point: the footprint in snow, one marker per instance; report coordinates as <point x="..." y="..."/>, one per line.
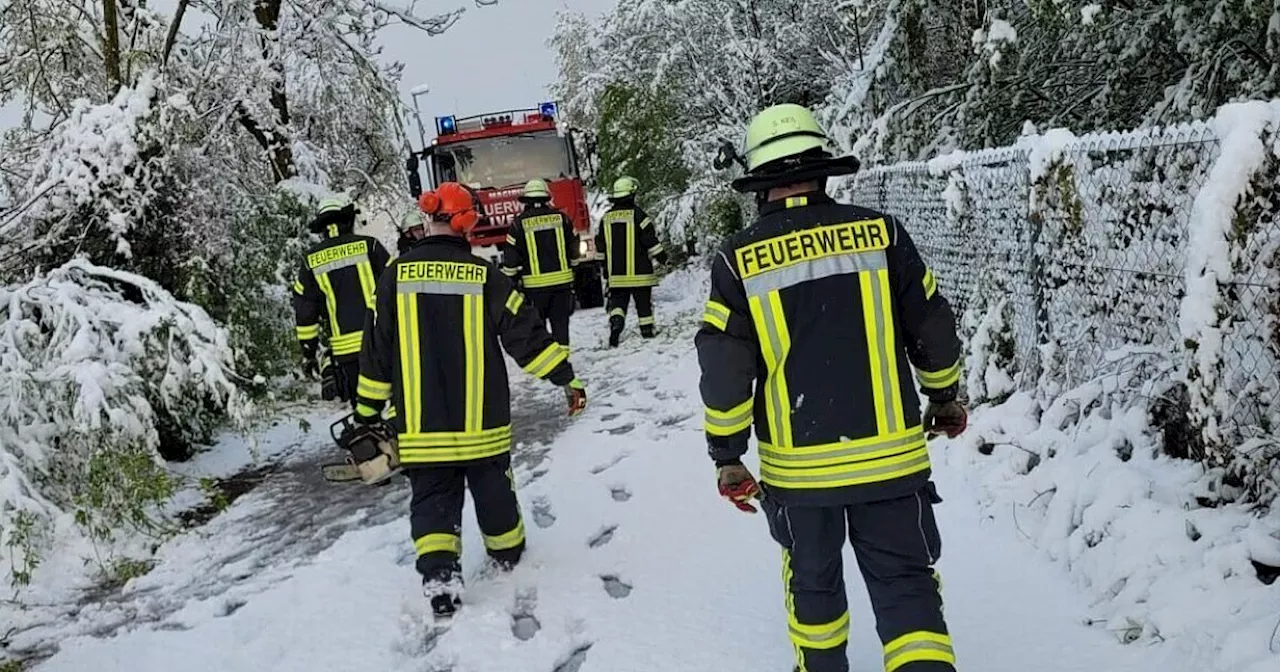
<point x="573" y="662"/>
<point x="524" y="624"/>
<point x="229" y="607"/>
<point x="604" y="536"/>
<point x="619" y="492"/>
<point x="542" y="516"/>
<point x="608" y="416"/>
<point x="621" y="429"/>
<point x="600" y="468"/>
<point x="615" y="587"/>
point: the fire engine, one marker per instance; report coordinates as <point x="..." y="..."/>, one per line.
<point x="495" y="154"/>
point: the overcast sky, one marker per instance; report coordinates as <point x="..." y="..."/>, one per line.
<point x="493" y="58"/>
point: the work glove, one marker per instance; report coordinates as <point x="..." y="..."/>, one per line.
<point x="738" y="486"/>
<point x="576" y="396"/>
<point x="947" y="417"/>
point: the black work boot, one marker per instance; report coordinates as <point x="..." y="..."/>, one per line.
<point x="614" y="335"/>
<point x="648" y="331"/>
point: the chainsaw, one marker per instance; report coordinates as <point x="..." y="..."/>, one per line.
<point x="372" y="454"/>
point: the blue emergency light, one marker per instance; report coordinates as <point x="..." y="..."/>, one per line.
<point x="548" y="110"/>
<point x="446" y="125"/>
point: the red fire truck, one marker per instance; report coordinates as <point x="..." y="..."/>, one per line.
<point x="496" y="154"/>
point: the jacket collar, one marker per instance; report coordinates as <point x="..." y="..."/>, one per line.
<point x="445" y="239"/>
<point x="797" y="201"/>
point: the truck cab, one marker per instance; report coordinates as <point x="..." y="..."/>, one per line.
<point x="496" y="154"/>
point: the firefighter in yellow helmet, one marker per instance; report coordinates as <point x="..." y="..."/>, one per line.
<point x="539" y="254"/>
<point x="818" y="313"/>
<point x="334" y="287"/>
<point x="629" y="246"/>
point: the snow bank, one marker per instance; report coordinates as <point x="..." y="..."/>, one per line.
<point x="95" y="364"/>
<point x="1083" y="479"/>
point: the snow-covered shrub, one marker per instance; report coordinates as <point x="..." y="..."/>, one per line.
<point x="990" y="363"/>
<point x="92" y="362"/>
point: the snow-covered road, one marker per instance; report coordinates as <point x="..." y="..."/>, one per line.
<point x="634" y="562"/>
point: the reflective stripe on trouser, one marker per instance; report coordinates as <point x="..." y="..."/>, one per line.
<point x="620" y="299"/>
<point x="435" y="513"/>
<point x="896" y="543"/>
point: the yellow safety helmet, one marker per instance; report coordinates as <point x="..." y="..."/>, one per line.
<point x="536" y="190"/>
<point x="781" y="132"/>
<point x="623" y="187"/>
<point x="331" y="205"/>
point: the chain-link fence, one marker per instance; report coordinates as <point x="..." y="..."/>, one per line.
<point x="1069" y="263"/>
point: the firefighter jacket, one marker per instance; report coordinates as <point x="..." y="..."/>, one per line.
<point x="432" y="350"/>
<point x="825" y="308"/>
<point x="336" y="281"/>
<point x="540" y="249"/>
<point x="629" y="245"/>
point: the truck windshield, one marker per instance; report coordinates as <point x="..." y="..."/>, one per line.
<point x="504" y="161"/>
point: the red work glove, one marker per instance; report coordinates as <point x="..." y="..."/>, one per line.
<point x="576" y="396"/>
<point x="948" y="417"/>
<point x="738" y="486"/>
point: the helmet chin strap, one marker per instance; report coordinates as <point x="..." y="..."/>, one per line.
<point x="809" y="170"/>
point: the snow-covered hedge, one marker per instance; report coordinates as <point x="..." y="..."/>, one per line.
<point x="92" y="362"/>
<point x="1062" y="251"/>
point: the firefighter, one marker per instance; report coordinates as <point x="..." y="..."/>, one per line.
<point x="335" y="287"/>
<point x="630" y="246"/>
<point x="825" y="308"/>
<point x="432" y="350"/>
<point x="411" y="229"/>
<point x="539" y="253"/>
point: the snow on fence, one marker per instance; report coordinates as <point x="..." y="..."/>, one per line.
<point x="1154" y="251"/>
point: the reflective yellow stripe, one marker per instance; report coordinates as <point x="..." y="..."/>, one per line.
<point x="874" y="322"/>
<point x="631" y="246"/>
<point x="410" y="369"/>
<point x="549" y="279"/>
<point x="333" y="230"/>
<point x="531" y="249"/>
<point x="297" y="287"/>
<point x="840" y="475"/>
<point x="889" y="339"/>
<point x="444" y="439"/>
<point x="915" y="647"/>
<point x="939" y="379"/>
<point x="623" y="281"/>
<point x="510" y="271"/>
<point x="730" y="422"/>
<point x="797" y="201"/>
<point x="308" y="332"/>
<point x="514" y="301"/>
<point x="365" y="411"/>
<point x="389" y="412"/>
<point x="438" y="543"/>
<point x="547" y="360"/>
<point x="511" y="240"/>
<point x="473" y="337"/>
<point x="822" y="636"/>
<point x="367" y="283"/>
<point x="857" y="451"/>
<point x="560" y="251"/>
<point x="653" y="251"/>
<point x="372" y="389"/>
<point x="440" y="454"/>
<point x="716" y="314"/>
<point x="930" y="284"/>
<point x="618" y="311"/>
<point x="611" y="252"/>
<point x="506" y="540"/>
<point x="789" y="599"/>
<point x="331" y="302"/>
<point x="347" y="344"/>
<point x="770" y="322"/>
<point x="644" y="321"/>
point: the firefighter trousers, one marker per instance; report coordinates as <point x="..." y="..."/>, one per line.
<point x="555" y="305"/>
<point x="896" y="543"/>
<point x="435" y="514"/>
<point x="620" y="298"/>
